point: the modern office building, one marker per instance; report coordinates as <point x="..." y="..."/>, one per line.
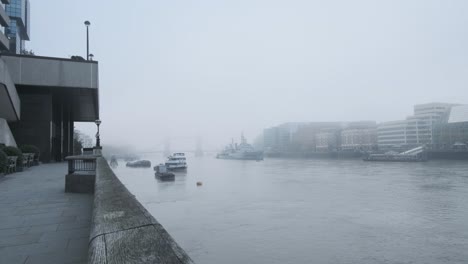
<point x="18" y="30"/>
<point x="453" y="134"/>
<point x="4" y="23"/>
<point x="53" y="93"/>
<point x="9" y="99"/>
<point x="41" y="97"/>
<point x="416" y="130"/>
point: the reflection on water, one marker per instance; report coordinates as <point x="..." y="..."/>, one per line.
<point x="311" y="211"/>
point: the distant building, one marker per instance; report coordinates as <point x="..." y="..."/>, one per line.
<point x="270" y="138"/>
<point x="328" y="140"/>
<point x="416" y="130"/>
<point x="454" y="133"/>
<point x="18" y="30"/>
<point x="295" y="137"/>
<point x="359" y="136"/>
<point x="305" y="138"/>
<point x="279" y="138"/>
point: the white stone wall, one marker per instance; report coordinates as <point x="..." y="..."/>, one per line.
<point x="6" y="137"/>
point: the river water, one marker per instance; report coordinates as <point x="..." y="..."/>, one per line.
<point x="311" y="211"/>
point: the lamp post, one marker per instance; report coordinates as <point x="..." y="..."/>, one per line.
<point x="87" y="24"/>
<point x="98" y="140"/>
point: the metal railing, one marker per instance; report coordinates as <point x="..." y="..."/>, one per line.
<point x="82" y="163"/>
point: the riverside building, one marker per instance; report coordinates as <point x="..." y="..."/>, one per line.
<point x="415" y="130"/>
<point x="42" y="97"/>
<point x="360" y="136"/>
<point x="453" y="134"/>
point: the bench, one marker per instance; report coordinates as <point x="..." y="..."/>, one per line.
<point x="30" y="159"/>
<point x="11" y="165"/>
<point x="26" y="160"/>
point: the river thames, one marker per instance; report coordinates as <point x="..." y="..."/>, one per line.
<point x="310" y="211"/>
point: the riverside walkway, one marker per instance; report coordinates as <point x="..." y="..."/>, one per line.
<point x="39" y="222"/>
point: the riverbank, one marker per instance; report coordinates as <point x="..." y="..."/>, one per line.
<point x="433" y="155"/>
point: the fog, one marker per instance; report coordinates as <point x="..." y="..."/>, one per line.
<point x="213" y="69"/>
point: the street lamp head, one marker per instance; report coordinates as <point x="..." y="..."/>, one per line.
<point x="97" y="122"/>
<point x="87" y="23"/>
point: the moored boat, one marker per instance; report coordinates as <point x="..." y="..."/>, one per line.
<point x="413" y="155"/>
<point x="139" y="164"/>
<point x="176" y="161"/>
<point x="162" y="173"/>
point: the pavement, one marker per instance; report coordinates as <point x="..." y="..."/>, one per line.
<point x="39" y="222"/>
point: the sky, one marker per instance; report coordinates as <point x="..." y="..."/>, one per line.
<point x="214" y="69"/>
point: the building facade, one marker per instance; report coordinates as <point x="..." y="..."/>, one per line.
<point x="362" y="138"/>
<point x="19" y="29"/>
<point x="453" y="135"/>
<point x="416" y="130"/>
<point x="41" y="97"/>
<point x="327" y="140"/>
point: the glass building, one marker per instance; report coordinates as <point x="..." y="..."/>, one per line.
<point x="18" y="30"/>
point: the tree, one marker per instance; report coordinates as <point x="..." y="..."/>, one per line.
<point x="81" y="141"/>
<point x="27" y="52"/>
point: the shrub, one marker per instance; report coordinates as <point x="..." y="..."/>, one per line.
<point x="3" y="161"/>
<point x="31" y="149"/>
<point x="12" y="151"/>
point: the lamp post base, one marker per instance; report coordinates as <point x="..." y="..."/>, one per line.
<point x="97" y="151"/>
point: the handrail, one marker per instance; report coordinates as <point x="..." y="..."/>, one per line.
<point x="83" y="163"/>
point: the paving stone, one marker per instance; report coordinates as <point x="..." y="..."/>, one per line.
<point x="66" y="234"/>
<point x="42" y="229"/>
<point x="74" y="225"/>
<point x="19" y="240"/>
<point x="13" y="231"/>
<point x="39" y="222"/>
<point x="36" y="248"/>
<point x="78" y="243"/>
<point x="50" y="220"/>
<point x="18" y="259"/>
<point x="64" y="257"/>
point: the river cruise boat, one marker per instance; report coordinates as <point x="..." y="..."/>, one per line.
<point x="242" y="151"/>
<point x="176" y="161"/>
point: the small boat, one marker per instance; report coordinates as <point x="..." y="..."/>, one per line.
<point x="163" y="174"/>
<point x="139" y="164"/>
<point x="176" y="161"/>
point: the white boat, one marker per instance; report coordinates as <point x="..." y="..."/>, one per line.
<point x="176" y="161"/>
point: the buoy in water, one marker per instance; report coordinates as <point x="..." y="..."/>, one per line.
<point x="199" y="183"/>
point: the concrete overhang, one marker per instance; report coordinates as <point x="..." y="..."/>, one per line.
<point x="77" y="80"/>
<point x="6" y="1"/>
<point x="10" y="105"/>
<point x="4" y="42"/>
<point x="4" y="18"/>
